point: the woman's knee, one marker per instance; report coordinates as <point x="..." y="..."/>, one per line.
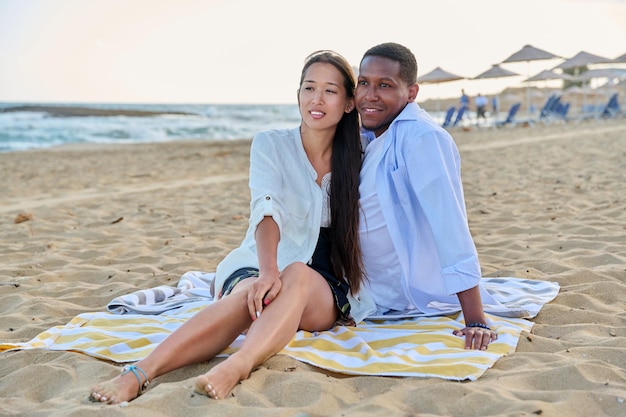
<point x="295" y="271"/>
<point x="296" y="276"/>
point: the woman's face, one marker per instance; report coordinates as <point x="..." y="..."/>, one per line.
<point x="322" y="97"/>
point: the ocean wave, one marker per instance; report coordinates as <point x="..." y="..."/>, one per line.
<point x="26" y="126"/>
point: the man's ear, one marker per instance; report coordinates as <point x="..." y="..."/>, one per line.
<point x="413" y="90"/>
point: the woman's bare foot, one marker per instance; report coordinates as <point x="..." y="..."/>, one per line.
<point x="126" y="387"/>
<point x="222" y="378"/>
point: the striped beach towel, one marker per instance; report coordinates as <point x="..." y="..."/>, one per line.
<point x="400" y="346"/>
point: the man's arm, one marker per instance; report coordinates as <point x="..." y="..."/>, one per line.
<point x="472" y="307"/>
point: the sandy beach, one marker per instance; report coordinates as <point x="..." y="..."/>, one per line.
<point x="80" y="225"/>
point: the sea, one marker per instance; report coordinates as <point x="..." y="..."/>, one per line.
<point x="35" y="128"/>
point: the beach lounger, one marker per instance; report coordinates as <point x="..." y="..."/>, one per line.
<point x="448" y="118"/>
<point x="552" y="109"/>
<point x="611" y="109"/>
<point x="459" y="116"/>
<point x="510" y="116"/>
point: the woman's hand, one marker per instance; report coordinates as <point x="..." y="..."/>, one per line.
<point x="263" y="290"/>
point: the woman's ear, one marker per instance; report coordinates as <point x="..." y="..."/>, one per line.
<point x="350" y="106"/>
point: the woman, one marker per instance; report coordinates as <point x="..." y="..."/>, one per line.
<point x="293" y="270"/>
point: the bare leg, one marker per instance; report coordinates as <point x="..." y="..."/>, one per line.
<point x="305" y="301"/>
<point x="202" y="337"/>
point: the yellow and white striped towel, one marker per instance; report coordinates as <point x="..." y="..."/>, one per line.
<point x="413" y="346"/>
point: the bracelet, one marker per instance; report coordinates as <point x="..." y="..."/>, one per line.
<point x="482" y="326"/>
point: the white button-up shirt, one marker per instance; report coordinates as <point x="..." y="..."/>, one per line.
<point x="282" y="185"/>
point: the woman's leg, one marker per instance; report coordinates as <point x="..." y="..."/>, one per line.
<point x="199" y="339"/>
<point x="305" y="302"/>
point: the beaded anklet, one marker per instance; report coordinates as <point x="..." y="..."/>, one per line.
<point x="142" y="386"/>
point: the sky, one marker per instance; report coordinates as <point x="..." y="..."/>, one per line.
<point x="252" y="51"/>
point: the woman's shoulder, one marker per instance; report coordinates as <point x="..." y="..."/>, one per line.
<point x="274" y="137"/>
<point x="276" y="134"/>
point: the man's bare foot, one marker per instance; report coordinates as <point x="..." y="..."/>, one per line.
<point x="126" y="387"/>
<point x="222" y="378"/>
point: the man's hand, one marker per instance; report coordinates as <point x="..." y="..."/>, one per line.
<point x="476" y="337"/>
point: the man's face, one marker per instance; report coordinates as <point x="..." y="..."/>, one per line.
<point x="380" y="93"/>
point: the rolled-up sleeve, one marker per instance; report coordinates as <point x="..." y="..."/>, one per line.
<point x="266" y="183"/>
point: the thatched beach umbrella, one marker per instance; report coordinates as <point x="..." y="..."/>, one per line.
<point x="609" y="73"/>
<point x="579" y="61"/>
<point x="437" y="76"/>
<point x="529" y="53"/>
<point x="620" y="59"/>
<point x="582" y="59"/>
<point x="549" y="75"/>
<point x="496" y="71"/>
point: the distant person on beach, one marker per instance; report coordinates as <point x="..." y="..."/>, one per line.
<point x="495" y="106"/>
<point x="300" y="262"/>
<point x="416" y="243"/>
<point x="481" y="107"/>
<point x="464" y="102"/>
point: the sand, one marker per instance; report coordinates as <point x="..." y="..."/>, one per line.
<point x="544" y="202"/>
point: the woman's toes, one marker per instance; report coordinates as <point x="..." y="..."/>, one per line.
<point x="211" y="391"/>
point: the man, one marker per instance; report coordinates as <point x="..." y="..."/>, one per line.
<point x="464" y="99"/>
<point x="481" y="107"/>
<point x="416" y="243"/>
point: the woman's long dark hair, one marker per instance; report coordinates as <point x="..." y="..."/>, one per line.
<point x="344" y="184"/>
